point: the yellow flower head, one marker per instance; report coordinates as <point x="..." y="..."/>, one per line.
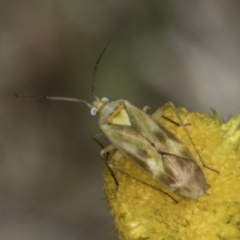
<point x="142" y="211"/>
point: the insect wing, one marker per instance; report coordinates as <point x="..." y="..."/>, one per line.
<point x="163" y="139"/>
<point x="153" y="148"/>
<point x="137" y="148"/>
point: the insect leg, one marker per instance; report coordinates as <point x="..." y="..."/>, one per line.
<point x="146" y="108"/>
<point x="103" y="151"/>
<point x="160" y="114"/>
<point x="190" y="138"/>
<point x="117" y="156"/>
<point x="139" y="180"/>
<point x="95" y="138"/>
<point x="107" y="149"/>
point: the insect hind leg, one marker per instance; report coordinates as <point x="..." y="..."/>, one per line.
<point x="139" y="180"/>
<point x="115" y="157"/>
<point x="189" y="137"/>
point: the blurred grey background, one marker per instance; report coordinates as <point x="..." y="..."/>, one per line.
<point x="187" y="52"/>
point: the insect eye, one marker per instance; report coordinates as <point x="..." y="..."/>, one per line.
<point x="105" y="99"/>
<point x="93" y="111"/>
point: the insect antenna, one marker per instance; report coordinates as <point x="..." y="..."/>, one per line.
<point x="55" y="98"/>
<point x="95" y="71"/>
<point x="74" y="99"/>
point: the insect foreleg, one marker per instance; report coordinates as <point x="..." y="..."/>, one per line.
<point x="107" y="149"/>
<point x="95" y="138"/>
<point x="103" y="151"/>
<point x="146" y="108"/>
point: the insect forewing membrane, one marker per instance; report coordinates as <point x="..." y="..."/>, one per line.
<point x="152" y="148"/>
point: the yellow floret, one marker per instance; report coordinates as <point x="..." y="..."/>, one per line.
<point x="143" y="213"/>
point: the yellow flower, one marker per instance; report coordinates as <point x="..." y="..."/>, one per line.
<point x="142" y="212"/>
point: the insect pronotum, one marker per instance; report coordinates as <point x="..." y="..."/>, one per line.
<point x="148" y="144"/>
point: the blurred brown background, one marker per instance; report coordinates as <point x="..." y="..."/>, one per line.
<point x="50" y="169"/>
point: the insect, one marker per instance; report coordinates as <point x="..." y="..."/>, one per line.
<point x="148" y="144"/>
